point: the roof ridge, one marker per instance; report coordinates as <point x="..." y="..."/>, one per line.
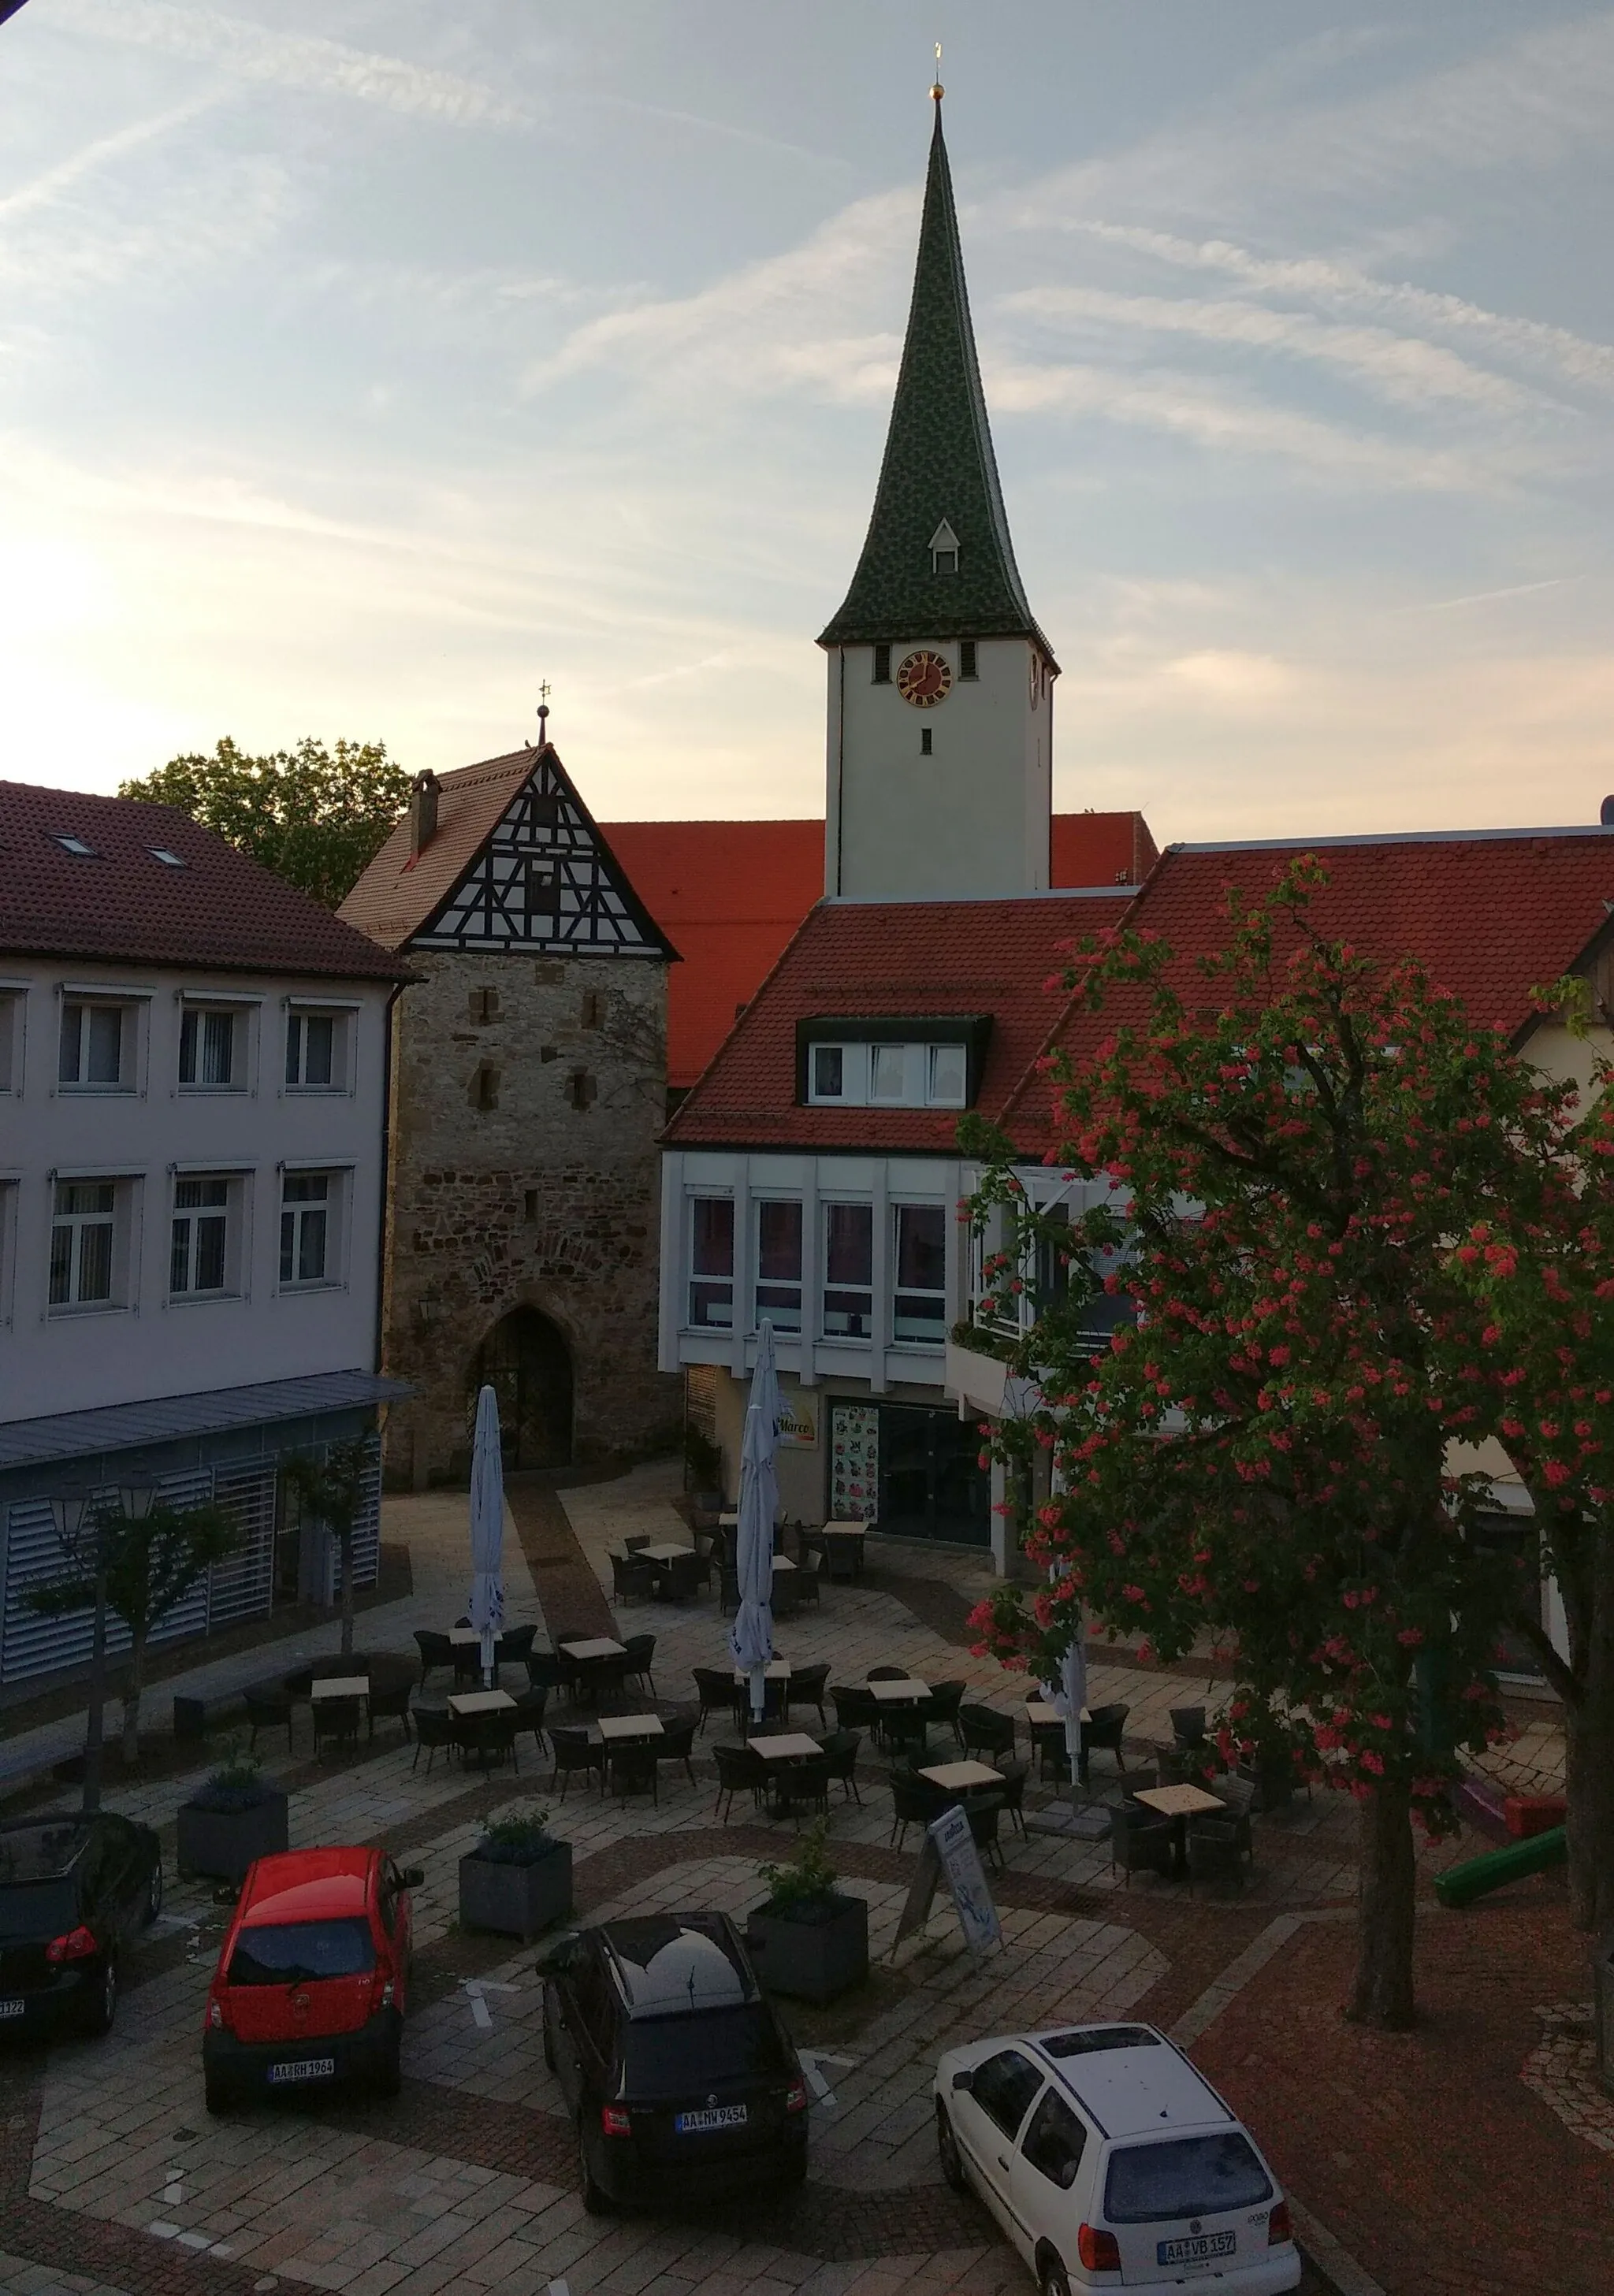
<point x="1390" y="837"/>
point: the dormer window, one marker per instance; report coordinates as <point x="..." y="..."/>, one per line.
<point x="920" y="1063"/>
<point x="944" y="550"/>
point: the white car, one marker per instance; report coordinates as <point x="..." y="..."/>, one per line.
<point x="1111" y="2163"/>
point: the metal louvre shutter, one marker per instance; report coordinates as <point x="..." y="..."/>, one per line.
<point x="366" y="1530"/>
<point x="32" y="1645"/>
<point x="240" y="1587"/>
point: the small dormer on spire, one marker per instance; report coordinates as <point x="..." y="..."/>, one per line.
<point x="944" y="550"/>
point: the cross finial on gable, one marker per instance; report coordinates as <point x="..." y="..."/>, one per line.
<point x="543" y="712"/>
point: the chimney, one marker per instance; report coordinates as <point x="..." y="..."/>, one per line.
<point x="423" y="813"/>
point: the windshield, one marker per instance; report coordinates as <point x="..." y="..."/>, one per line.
<point x="668" y="2056"/>
<point x="1186" y="2177"/>
<point x="289" y="1952"/>
<point x="37" y="1910"/>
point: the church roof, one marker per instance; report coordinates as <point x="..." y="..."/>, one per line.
<point x="938" y="471"/>
<point x="730" y="894"/>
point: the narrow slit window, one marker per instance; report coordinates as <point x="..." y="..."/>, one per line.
<point x="927" y="743"/>
<point x="882" y="665"/>
<point x="966" y="658"/>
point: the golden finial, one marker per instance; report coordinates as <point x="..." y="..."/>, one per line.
<point x="936" y="89"/>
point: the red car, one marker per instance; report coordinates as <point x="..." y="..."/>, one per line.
<point x="313" y="1980"/>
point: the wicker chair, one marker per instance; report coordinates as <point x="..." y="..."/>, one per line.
<point x="433" y="1735"/>
<point x="856" y="1710"/>
<point x="529" y="1706"/>
<point x="946" y="1702"/>
<point x="513" y="1647"/>
<point x="983" y="1730"/>
<point x="389" y="1702"/>
<point x="491" y="1737"/>
<point x="841" y="1753"/>
<point x="739" y="1771"/>
<point x="1141" y="1845"/>
<point x="1015" y="1774"/>
<point x="1237" y="1797"/>
<point x="269" y="1707"/>
<point x="641" y="1654"/>
<point x="631" y="1767"/>
<point x="1101" y="1732"/>
<point x="1188" y="1724"/>
<point x="573" y="1751"/>
<point x="806" y="1688"/>
<point x="336" y="1721"/>
<point x="914" y="1801"/>
<point x="714" y="1688"/>
<point x="982" y="1811"/>
<point x="1215" y="1852"/>
<point x="677" y="1744"/>
<point x="802" y="1785"/>
<point x="631" y="1580"/>
<point x="435" y="1650"/>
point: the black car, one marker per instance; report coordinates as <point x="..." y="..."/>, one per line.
<point x="683" y="2080"/>
<point x="73" y="1890"/>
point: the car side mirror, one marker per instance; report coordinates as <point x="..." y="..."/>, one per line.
<point x="555" y="1958"/>
<point x="412" y="1877"/>
<point x="965" y="2081"/>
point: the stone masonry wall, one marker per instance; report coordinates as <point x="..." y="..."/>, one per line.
<point x="507" y="1193"/>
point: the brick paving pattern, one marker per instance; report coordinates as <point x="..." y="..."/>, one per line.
<point x="113" y="2179"/>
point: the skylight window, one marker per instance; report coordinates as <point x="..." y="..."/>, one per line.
<point x="160" y="853"/>
<point x="76" y="845"/>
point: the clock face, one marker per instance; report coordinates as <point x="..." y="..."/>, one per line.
<point x="924" y="678"/>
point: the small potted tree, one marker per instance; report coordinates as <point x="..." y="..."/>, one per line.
<point x="234" y="1818"/>
<point x="807" y="1938"/>
<point x="518" y="1878"/>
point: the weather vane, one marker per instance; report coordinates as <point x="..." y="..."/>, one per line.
<point x="936" y="89"/>
<point x="543" y="712"/>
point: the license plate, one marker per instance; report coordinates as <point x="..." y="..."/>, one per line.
<point x="1196" y="2250"/>
<point x="302" y="2069"/>
<point x="709" y="2116"/>
<point x="13" y="2008"/>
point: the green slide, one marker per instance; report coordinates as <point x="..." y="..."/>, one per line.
<point x="1459" y="1885"/>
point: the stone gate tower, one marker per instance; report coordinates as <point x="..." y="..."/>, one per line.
<point x="529" y="1071"/>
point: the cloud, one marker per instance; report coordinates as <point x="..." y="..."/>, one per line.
<point x="47" y="189"/>
<point x="1567" y="356"/>
<point x="303" y="60"/>
<point x="1400" y="368"/>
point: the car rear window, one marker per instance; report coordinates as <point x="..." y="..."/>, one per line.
<point x="42" y="1910"/>
<point x="666" y="2056"/>
<point x="1184" y="2176"/>
<point x="282" y="1953"/>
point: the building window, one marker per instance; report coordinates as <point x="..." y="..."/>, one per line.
<point x="581" y="1090"/>
<point x="208" y="1047"/>
<point x="8" y="1246"/>
<point x="95" y="1046"/>
<point x="927" y="743"/>
<point x="593" y="1008"/>
<point x="199" y="1252"/>
<point x="848" y="1270"/>
<point x="882" y="665"/>
<point x="83" y="1240"/>
<point x="948" y="1073"/>
<point x="528" y="1203"/>
<point x="541" y="888"/>
<point x="966" y="658"/>
<point x="314" y="1052"/>
<point x="778" y="1265"/>
<point x="307" y="1240"/>
<point x="11" y="1031"/>
<point x="829" y="1079"/>
<point x="944" y="550"/>
<point x="919" y="1304"/>
<point x="484" y="1006"/>
<point x="484" y="1088"/>
<point x="888" y="1067"/>
<point x="711" y="1263"/>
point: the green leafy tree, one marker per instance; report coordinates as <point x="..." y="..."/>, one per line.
<point x="149" y="1564"/>
<point x="1299" y="1136"/>
<point x="316" y="816"/>
<point x="331" y="1489"/>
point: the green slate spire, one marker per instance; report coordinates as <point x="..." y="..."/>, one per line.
<point x="938" y="471"/>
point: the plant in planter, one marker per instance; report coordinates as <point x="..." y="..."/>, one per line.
<point x="232" y="1819"/>
<point x="518" y="1878"/>
<point x="807" y="1938"/>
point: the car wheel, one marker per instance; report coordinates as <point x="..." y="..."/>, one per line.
<point x="793" y="2175"/>
<point x="947" y="2149"/>
<point x="214" y="2093"/>
<point x="548" y="2048"/>
<point x="390" y="2079"/>
<point x="1052" y="2277"/>
<point x="153" y="1896"/>
<point x="598" y="2202"/>
<point x="103" y="2005"/>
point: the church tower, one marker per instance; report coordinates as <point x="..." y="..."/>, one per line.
<point x="941" y="684"/>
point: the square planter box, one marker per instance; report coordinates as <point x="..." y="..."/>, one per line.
<point x="815" y="1958"/>
<point x="515" y="1900"/>
<point x="222" y="1844"/>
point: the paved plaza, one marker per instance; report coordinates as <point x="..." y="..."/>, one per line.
<point x="113" y="2177"/>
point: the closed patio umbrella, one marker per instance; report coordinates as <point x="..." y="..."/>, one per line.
<point x="487" y="1605"/>
<point x="751" y="1636"/>
<point x="1068" y="1695"/>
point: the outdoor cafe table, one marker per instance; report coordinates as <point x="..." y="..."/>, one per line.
<point x="462" y="1636"/>
<point x="778" y="1670"/>
<point x="615" y="1727"/>
<point x="479" y="1702"/>
<point x="668" y="1550"/>
<point x="340" y="1685"/>
<point x="599" y="1646"/>
<point x="1040" y="1715"/>
<point x="903" y="1692"/>
<point x="787" y="1746"/>
<point x="960" y="1777"/>
<point x="1179" y="1803"/>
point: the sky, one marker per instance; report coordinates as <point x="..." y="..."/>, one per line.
<point x="365" y="363"/>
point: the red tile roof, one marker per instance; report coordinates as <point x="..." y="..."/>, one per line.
<point x="728" y="894"/>
<point x="875" y="960"/>
<point x="397" y="894"/>
<point x="1491" y="914"/>
<point x="119" y="902"/>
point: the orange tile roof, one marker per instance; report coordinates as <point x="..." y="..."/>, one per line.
<point x="1492" y="915"/>
<point x="874" y="959"/>
<point x="730" y="894"/>
<point x="396" y="896"/>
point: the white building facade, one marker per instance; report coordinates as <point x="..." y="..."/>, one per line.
<point x="191" y="1171"/>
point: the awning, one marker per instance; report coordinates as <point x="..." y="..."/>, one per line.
<point x="173" y="1418"/>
